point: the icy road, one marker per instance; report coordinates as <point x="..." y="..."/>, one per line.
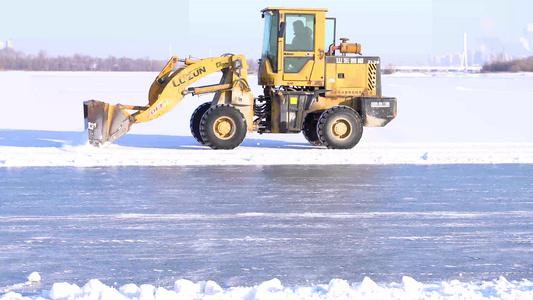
<point x="240" y="226"/>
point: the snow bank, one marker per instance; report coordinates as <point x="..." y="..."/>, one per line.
<point x="442" y="119"/>
<point x="266" y="152"/>
<point x="408" y="288"/>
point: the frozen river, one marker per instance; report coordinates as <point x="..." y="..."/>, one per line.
<point x="248" y="224"/>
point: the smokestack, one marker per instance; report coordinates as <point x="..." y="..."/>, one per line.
<point x="465" y="53"/>
<point x="525" y="43"/>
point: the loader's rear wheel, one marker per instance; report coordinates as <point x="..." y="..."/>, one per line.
<point x="309" y="129"/>
<point x="340" y="127"/>
<point x="196" y="118"/>
<point x="223" y="127"/>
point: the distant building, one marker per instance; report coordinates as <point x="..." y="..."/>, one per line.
<point x="503" y="57"/>
<point x="6" y="45"/>
<point x="457" y="58"/>
<point x="474" y="58"/>
<point x="479" y="58"/>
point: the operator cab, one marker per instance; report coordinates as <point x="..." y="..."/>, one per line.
<point x="294" y="46"/>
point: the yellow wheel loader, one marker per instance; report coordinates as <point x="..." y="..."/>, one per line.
<point x="310" y="85"/>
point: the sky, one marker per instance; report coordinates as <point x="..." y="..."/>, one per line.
<point x="401" y="32"/>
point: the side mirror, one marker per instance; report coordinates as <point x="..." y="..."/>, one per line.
<point x="281" y="31"/>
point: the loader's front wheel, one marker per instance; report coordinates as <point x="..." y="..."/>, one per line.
<point x="196" y="118"/>
<point x="223" y="127"/>
<point x="309" y="129"/>
<point x="340" y="127"/>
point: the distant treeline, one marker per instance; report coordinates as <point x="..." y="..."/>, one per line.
<point x="517" y="65"/>
<point x="16" y="60"/>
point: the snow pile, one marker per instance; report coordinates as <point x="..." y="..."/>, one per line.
<point x="409" y="288"/>
<point x="34" y="277"/>
<point x="285" y="153"/>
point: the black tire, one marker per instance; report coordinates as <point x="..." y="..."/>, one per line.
<point x="340" y="127"/>
<point x="223" y="127"/>
<point x="310" y="129"/>
<point x="196" y="118"/>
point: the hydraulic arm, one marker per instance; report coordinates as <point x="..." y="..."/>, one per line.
<point x="107" y="123"/>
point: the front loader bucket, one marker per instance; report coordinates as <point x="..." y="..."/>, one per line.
<point x="106" y="123"/>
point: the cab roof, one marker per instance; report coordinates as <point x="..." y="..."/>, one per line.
<point x="294" y="9"/>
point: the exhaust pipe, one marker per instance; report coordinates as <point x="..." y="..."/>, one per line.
<point x="106" y="123"/>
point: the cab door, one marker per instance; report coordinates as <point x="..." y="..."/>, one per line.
<point x="299" y="47"/>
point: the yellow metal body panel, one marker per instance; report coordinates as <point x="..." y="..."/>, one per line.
<point x="346" y="82"/>
<point x="268" y="76"/>
<point x="346" y="79"/>
<point x="331" y="77"/>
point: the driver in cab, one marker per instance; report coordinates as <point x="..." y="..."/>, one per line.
<point x="302" y="37"/>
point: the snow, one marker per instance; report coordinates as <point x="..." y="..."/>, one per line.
<point x="408" y="288"/>
<point x="34" y="277"/>
<point x="273" y="153"/>
<point x="444" y="119"/>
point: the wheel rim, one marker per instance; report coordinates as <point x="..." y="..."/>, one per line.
<point x="341" y="129"/>
<point x="224" y="128"/>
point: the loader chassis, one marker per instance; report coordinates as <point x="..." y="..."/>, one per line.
<point x="306" y="88"/>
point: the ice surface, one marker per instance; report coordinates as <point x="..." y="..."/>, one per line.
<point x="273" y="289"/>
<point x="303" y="225"/>
<point x="445" y="119"/>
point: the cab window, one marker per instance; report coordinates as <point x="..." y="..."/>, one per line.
<point x="300" y="32"/>
<point x="330" y="33"/>
<point x="270" y="40"/>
